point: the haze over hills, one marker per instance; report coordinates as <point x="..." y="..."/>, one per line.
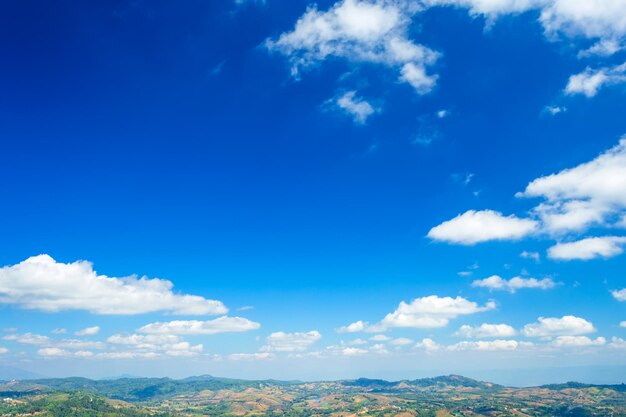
<point x="451" y="395"/>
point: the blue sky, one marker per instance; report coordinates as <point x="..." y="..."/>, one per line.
<point x="381" y="188"/>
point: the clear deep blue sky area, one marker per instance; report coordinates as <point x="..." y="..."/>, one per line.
<point x="289" y="189"/>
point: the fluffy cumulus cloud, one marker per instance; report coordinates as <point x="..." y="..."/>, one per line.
<point x="428" y="344"/>
<point x="137" y="345"/>
<point x="357" y="326"/>
<point x="496" y="282"/>
<point x="619" y="295"/>
<point x="578" y="341"/>
<point x="553" y="326"/>
<point x="486" y="330"/>
<point x="354" y="106"/>
<point x="359" y="31"/>
<point x="474" y="227"/>
<point x="376" y="31"/>
<point x="223" y="324"/>
<point x="432" y="312"/>
<point x="290" y="342"/>
<point x="41" y="283"/>
<point x="588" y="248"/>
<point x="591" y="193"/>
<point x="425" y="313"/>
<point x="572" y="201"/>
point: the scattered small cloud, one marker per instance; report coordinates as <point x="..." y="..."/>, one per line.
<point x="88" y="331"/>
<point x="535" y="256"/>
<point x="356" y="107"/>
<point x="290" y="342"/>
<point x="619" y="295"/>
<point x="496" y="282"/>
<point x="486" y="330"/>
<point x="222" y="324"/>
<point x="554" y="110"/>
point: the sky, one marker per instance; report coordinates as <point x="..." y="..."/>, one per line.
<point x="297" y="190"/>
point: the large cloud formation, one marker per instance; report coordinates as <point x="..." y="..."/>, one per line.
<point x="574" y="200"/>
<point x="377" y="31"/>
<point x="422" y="313"/>
<point x="41" y="283"/>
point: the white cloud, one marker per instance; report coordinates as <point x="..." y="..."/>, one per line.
<point x="588" y="248"/>
<point x="617" y="343"/>
<point x="41" y="283"/>
<point x="486" y="330"/>
<point x="422" y="313"/>
<point x="36" y="339"/>
<point x="58" y="331"/>
<point x="401" y="341"/>
<point x="379" y="348"/>
<point x="619" y="295"/>
<point x="431" y="312"/>
<point x="564" y="326"/>
<point x="622" y="324"/>
<point x="74" y="344"/>
<point x="379" y="338"/>
<point x="290" y="342"/>
<point x="357" y="326"/>
<point x="356" y="107"/>
<point x="575" y="199"/>
<point x="489" y="8"/>
<point x="590" y="193"/>
<point x="591" y="80"/>
<point x="28" y="339"/>
<point x="3" y="350"/>
<point x="603" y="48"/>
<point x="530" y="255"/>
<point x="417" y="77"/>
<point x="359" y="31"/>
<point x="152" y="345"/>
<point x="554" y="110"/>
<point x="222" y="324"/>
<point x="484" y="345"/>
<point x="474" y="227"/>
<point x="429" y="345"/>
<point x="52" y="352"/>
<point x="357" y="342"/>
<point x="352" y="351"/>
<point x="249" y="356"/>
<point x="127" y="355"/>
<point x="593" y="19"/>
<point x="143" y="340"/>
<point x="577" y="341"/>
<point x="88" y="331"/>
<point x="495" y="282"/>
